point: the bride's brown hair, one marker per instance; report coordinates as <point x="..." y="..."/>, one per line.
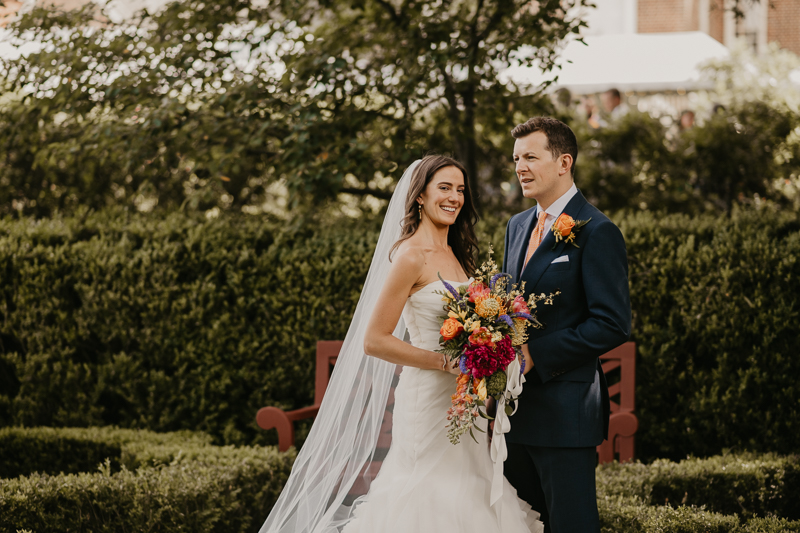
<point x="462" y="241"/>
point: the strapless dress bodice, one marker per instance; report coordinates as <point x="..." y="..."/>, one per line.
<point x="423" y="314"/>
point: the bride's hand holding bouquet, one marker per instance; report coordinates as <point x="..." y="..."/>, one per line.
<point x="482" y="333"/>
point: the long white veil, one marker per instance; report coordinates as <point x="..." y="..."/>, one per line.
<point x="349" y="437"/>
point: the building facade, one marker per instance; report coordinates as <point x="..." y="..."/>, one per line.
<point x="764" y="21"/>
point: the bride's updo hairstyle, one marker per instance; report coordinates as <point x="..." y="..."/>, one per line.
<point x="461" y="236"/>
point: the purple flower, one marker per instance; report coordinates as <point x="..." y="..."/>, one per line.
<point x="450" y="288"/>
<point x="506" y="319"/>
<point x="497" y="277"/>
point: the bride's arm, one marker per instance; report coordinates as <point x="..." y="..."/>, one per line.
<point x="379" y="342"/>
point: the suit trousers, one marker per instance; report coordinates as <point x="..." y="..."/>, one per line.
<point x="557" y="482"/>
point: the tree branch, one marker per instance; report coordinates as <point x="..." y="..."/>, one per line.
<point x="392" y="13"/>
<point x="493" y="20"/>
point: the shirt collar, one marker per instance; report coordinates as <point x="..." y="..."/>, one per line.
<point x="558" y="206"/>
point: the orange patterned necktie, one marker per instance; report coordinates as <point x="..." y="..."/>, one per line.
<point x="536" y="237"/>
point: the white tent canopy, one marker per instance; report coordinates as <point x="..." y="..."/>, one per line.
<point x="642" y="62"/>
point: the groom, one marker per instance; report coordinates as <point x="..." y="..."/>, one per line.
<point x="564" y="408"/>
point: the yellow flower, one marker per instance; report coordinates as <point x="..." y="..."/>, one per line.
<point x="460" y="315"/>
<point x="471" y="325"/>
<point x="519" y="335"/>
<point x="481" y="389"/>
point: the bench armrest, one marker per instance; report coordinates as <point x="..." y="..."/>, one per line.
<point x="275" y="418"/>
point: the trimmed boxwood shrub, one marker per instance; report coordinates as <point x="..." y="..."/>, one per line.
<point x="630" y="515"/>
<point x="179" y="482"/>
<point x="771" y="525"/>
<point x="715" y="317"/>
<point x="169" y="323"/>
<point x="173" y="482"/>
<point x="72" y="450"/>
<point x="745" y="485"/>
<point x="742" y="493"/>
<point x="173" y="322"/>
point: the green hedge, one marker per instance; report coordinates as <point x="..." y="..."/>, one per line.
<point x="179" y="482"/>
<point x="166" y="482"/>
<point x="629" y="515"/>
<point x="743" y="493"/>
<point x="172" y="322"/>
<point x="73" y="450"/>
<point x="169" y="323"/>
<point x="747" y="485"/>
<point x="715" y="317"/>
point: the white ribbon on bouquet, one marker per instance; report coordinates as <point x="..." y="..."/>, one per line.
<point x="502" y="425"/>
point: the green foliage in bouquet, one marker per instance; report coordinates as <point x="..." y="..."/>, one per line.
<point x="496" y="383"/>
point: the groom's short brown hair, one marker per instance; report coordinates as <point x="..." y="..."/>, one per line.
<point x="560" y="138"/>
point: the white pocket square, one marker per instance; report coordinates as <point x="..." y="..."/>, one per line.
<point x="562" y="259"/>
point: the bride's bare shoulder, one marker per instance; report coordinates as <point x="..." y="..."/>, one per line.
<point x="409" y="256"/>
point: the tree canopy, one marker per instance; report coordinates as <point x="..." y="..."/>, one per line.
<point x="212" y="105"/>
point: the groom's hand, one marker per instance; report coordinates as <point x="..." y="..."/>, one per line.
<point x="526" y="353"/>
<point x="451" y="366"/>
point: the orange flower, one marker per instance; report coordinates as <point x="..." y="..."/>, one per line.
<point x="451" y="328"/>
<point x="489" y="306"/>
<point x="564" y="224"/>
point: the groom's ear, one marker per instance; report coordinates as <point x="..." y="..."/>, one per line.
<point x="564" y="164"/>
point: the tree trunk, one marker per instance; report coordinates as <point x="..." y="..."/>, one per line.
<point x="467" y="148"/>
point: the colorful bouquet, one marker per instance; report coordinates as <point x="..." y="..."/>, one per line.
<point x="484" y="328"/>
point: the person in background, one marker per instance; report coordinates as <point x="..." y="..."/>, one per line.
<point x="612" y="103"/>
<point x="563" y="98"/>
<point x="686" y="120"/>
<point x="589" y="105"/>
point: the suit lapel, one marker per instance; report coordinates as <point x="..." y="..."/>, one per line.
<point x="546" y="252"/>
<point x="520" y="245"/>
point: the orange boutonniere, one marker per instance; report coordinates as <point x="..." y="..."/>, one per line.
<point x="565" y="228"/>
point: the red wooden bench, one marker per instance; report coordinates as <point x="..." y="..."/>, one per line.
<point x="621" y="390"/>
<point x="283" y="421"/>
<point x="622" y="426"/>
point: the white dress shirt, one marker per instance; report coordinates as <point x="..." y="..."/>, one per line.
<point x="557" y="208"/>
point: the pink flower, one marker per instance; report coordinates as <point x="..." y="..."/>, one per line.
<point x="519" y="306"/>
<point x="483" y="361"/>
<point x="475" y="289"/>
<point x="481" y="337"/>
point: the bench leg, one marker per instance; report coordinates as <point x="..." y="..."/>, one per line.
<point x="605" y="452"/>
<point x="624" y="447"/>
<point x="274" y="418"/>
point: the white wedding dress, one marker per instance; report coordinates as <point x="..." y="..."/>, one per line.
<point x="426" y="484"/>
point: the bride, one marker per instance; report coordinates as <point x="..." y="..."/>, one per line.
<point x="423" y="483"/>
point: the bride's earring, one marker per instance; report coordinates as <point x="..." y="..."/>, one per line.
<point x="420" y="211"/>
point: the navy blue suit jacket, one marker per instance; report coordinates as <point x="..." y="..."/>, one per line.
<point x="564" y="402"/>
